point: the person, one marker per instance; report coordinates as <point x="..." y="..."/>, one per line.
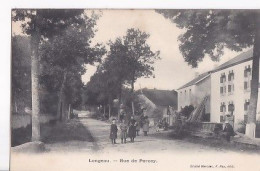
<point x="132" y="129"/>
<point x="138" y="127"/>
<point x="113" y="131"/>
<point x="123" y="128"/>
<point x="228" y="131"/>
<point x="157" y="126"/>
<point x="165" y="124"/>
<point x="146" y="126"/>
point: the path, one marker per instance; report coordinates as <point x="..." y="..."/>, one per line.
<point x="100" y="132"/>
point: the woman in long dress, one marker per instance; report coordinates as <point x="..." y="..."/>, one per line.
<point x="132" y="129"/>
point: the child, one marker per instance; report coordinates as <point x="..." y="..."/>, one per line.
<point x="123" y="128"/>
<point x="113" y="131"/>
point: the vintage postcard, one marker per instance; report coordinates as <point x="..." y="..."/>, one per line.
<point x="154" y="89"/>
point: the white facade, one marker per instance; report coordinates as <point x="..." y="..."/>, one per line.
<point x="230" y="96"/>
<point x="194" y="94"/>
<point x="186" y="96"/>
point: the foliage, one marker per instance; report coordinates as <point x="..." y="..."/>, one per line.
<point x="187" y="110"/>
<point x="208" y="32"/>
<point x="21" y="73"/>
<point x="139" y="55"/>
<point x="52" y="21"/>
<point x="68" y="53"/>
<point x="128" y="58"/>
<point x="100" y="89"/>
<point x="65" y="47"/>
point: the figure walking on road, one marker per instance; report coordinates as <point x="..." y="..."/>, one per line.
<point x="132" y="129"/>
<point x="113" y="131"/>
<point x="123" y="128"/>
<point x="146" y="125"/>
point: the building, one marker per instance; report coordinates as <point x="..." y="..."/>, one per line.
<point x="230" y="90"/>
<point x="157" y="103"/>
<point x="228" y="86"/>
<point x="193" y="92"/>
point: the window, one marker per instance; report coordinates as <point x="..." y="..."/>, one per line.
<point x="231" y="76"/>
<point x="245" y="118"/>
<point x="246" y="105"/>
<point x="222" y="119"/>
<point x="222" y="90"/>
<point x="247" y="71"/>
<point x="222" y="78"/>
<point x="222" y="107"/>
<point x="231" y="88"/>
<point x="247" y="85"/>
<point x="231" y="107"/>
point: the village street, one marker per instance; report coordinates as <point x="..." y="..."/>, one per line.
<point x="155" y="142"/>
<point x="147" y="151"/>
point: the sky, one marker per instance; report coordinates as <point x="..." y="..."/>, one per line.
<point x="171" y="72"/>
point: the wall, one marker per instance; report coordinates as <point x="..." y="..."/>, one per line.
<point x="238" y="97"/>
<point x="23" y="120"/>
<point x="188" y="99"/>
<point x="198" y="92"/>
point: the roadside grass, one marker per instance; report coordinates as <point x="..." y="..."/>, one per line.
<point x="65" y="131"/>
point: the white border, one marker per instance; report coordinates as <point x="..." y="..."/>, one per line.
<point x="138" y="4"/>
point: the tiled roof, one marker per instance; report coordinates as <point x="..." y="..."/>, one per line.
<point x="196" y="80"/>
<point x="243" y="57"/>
<point x="161" y="97"/>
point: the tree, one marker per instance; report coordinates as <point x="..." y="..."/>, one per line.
<point x="64" y="57"/>
<point x="139" y="55"/>
<point x="129" y="58"/>
<point x="208" y="32"/>
<point x="116" y="64"/>
<point x="21" y="74"/>
<point x="42" y="24"/>
<point x="187" y="110"/>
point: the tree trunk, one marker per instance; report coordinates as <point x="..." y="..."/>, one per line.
<point x="133" y="108"/>
<point x="15" y="106"/>
<point x="132" y="85"/>
<point x="119" y="100"/>
<point x="35" y="40"/>
<point x="104" y="111"/>
<point x="69" y="112"/>
<point x="251" y="124"/>
<point x="109" y="111"/>
<point x="61" y="96"/>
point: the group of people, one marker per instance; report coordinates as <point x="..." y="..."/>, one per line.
<point x="129" y="129"/>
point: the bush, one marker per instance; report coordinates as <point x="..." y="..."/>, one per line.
<point x="241" y="127"/>
<point x="186" y="111"/>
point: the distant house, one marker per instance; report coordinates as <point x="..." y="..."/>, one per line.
<point x="157" y="102"/>
<point x="193" y="92"/>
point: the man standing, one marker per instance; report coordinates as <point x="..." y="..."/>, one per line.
<point x="228" y="131"/>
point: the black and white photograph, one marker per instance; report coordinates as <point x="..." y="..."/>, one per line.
<point x="134" y="89"/>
